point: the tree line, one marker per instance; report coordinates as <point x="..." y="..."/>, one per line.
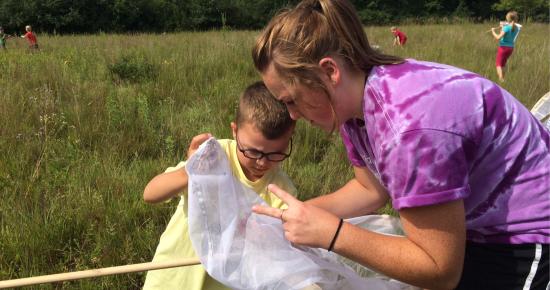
<point x="93" y="16"/>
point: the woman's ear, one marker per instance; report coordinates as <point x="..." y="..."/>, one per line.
<point x="331" y="69"/>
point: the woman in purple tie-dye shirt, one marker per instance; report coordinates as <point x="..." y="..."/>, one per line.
<point x="464" y="163"/>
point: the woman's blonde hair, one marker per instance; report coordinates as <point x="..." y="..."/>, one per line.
<point x="295" y="40"/>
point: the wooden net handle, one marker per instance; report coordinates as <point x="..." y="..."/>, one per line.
<point x="98" y="272"/>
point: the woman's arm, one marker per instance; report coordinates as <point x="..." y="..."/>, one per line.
<point x="360" y="196"/>
<point x="430" y="255"/>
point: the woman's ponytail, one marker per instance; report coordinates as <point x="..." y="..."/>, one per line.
<point x="296" y="40"/>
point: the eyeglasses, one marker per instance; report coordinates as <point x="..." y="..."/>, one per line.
<point x="257" y="154"/>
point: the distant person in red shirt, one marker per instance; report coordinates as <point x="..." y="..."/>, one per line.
<point x="399" y="37"/>
<point x="30" y="37"/>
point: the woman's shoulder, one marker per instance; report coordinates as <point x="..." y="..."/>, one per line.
<point x="404" y="92"/>
<point x="417" y="71"/>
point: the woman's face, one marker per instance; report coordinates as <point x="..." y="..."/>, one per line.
<point x="301" y="101"/>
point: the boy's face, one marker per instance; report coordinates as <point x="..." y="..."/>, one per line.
<point x="249" y="138"/>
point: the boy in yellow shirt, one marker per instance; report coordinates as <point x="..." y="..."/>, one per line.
<point x="262" y="134"/>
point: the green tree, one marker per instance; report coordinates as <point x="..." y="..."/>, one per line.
<point x="462" y="10"/>
<point x="536" y="9"/>
<point x="91" y="16"/>
<point x="433" y="7"/>
<point x="481" y="9"/>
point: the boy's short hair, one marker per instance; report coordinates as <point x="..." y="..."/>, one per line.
<point x="258" y="107"/>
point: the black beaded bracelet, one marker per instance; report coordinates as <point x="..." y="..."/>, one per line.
<point x="335" y="235"/>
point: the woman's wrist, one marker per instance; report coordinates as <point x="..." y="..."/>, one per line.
<point x="335" y="236"/>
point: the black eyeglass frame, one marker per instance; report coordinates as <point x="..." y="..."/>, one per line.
<point x="257" y="154"/>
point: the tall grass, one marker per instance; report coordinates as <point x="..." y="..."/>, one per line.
<point x="79" y="139"/>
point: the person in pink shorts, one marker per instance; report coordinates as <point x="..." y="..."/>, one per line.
<point x="506" y="40"/>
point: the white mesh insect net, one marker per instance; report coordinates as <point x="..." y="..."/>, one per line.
<point x="244" y="250"/>
<point x="541" y="110"/>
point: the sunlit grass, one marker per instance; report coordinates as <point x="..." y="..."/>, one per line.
<point x="78" y="145"/>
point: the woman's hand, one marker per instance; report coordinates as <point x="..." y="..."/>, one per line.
<point x="303" y="224"/>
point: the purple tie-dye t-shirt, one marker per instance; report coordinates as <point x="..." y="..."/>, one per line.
<point x="433" y="133"/>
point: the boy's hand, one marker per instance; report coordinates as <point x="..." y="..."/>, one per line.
<point x="196" y="142"/>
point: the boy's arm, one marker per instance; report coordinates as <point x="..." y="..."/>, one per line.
<point x="167" y="185"/>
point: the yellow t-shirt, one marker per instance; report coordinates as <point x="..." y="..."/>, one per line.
<point x="175" y="242"/>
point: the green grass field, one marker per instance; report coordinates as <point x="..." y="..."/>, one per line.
<point x="89" y="120"/>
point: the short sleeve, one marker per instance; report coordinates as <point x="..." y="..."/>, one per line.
<point x="353" y="154"/>
<point x="425" y="167"/>
<point x="507" y="28"/>
<point x="172" y="169"/>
